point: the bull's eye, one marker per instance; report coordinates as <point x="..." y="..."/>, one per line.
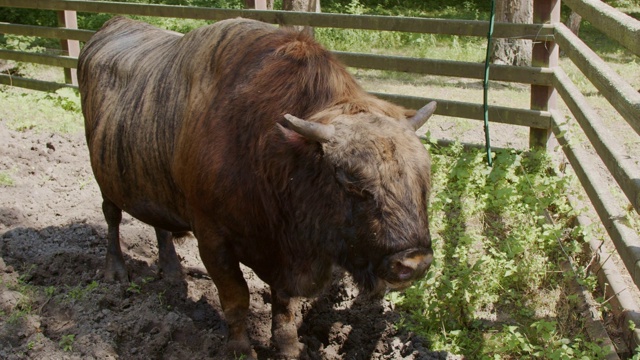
<point x="351" y="183"/>
<point x="344" y="177"/>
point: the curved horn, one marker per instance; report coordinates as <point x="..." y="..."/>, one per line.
<point x="422" y="115"/>
<point x="310" y="130"/>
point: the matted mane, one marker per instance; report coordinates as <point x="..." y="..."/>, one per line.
<point x="295" y="74"/>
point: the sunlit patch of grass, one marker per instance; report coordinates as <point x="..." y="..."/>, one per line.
<point x="55" y="112"/>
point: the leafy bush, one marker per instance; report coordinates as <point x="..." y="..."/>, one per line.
<point x="29" y="17"/>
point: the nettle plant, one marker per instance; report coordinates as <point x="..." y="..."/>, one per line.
<point x="501" y="233"/>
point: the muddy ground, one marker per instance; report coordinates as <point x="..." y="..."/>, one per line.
<point x="55" y="305"/>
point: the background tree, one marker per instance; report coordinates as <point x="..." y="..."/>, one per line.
<point x="573" y="22"/>
<point x="513" y="51"/>
<point x="251" y="4"/>
<point x="301" y="5"/>
<point x="291" y="5"/>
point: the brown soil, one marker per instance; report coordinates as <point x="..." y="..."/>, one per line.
<point x="52" y="253"/>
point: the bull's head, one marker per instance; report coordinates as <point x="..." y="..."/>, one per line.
<point x="383" y="172"/>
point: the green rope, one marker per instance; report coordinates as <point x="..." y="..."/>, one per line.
<point x="486" y="84"/>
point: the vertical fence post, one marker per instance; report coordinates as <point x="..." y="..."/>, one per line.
<point x="544" y="54"/>
<point x="69" y="20"/>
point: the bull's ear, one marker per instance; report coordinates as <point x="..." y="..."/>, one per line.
<point x="310" y="130"/>
<point x="422" y="115"/>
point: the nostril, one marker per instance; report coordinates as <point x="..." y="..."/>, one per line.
<point x="402" y="272"/>
<point x="410" y="267"/>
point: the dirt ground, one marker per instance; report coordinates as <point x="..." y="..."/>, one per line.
<point x="55" y="305"/>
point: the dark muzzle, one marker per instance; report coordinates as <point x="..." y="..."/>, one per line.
<point x="401" y="269"/>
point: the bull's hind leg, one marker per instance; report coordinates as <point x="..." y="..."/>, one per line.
<point x="167" y="257"/>
<point x="224" y="269"/>
<point x="115" y="268"/>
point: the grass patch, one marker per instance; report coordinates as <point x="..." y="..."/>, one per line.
<point x="496" y="289"/>
<point x="26" y="298"/>
<point x="6" y="179"/>
<point x="55" y="112"/>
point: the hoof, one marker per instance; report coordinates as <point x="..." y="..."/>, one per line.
<point x="171" y="274"/>
<point x="240" y="350"/>
<point x="117" y="274"/>
<point x="296" y="350"/>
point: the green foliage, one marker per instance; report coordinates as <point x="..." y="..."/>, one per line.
<point x="29" y="17"/>
<point x="21" y="43"/>
<point x="78" y="293"/>
<point x="398" y="43"/>
<point x="50" y="291"/>
<point x="95" y="21"/>
<point x="134" y="288"/>
<point x="58" y="112"/>
<point x="411" y="7"/>
<point x="26" y="299"/>
<point x="6" y="179"/>
<point x="178" y="25"/>
<point x="495" y="252"/>
<point x="137" y="288"/>
<point x="66" y="342"/>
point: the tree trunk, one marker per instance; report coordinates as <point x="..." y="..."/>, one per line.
<point x="302" y="5"/>
<point x="251" y="4"/>
<point x="573" y="22"/>
<point x="511" y="51"/>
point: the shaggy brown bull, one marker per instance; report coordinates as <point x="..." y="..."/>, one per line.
<point x="193" y="133"/>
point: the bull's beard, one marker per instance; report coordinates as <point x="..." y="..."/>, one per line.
<point x="368" y="283"/>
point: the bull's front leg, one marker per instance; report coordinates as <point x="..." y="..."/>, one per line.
<point x="115" y="269"/>
<point x="283" y="327"/>
<point x="224" y="269"/>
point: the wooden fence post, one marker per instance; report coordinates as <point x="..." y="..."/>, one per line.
<point x="68" y="19"/>
<point x="256" y="4"/>
<point x="544" y="54"/>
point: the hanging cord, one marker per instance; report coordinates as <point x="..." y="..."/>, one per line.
<point x="486" y="84"/>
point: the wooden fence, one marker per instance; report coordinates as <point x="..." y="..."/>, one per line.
<point x="547" y="79"/>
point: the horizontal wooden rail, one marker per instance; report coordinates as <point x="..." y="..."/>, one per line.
<point x="497" y="114"/>
<point x="366" y="22"/>
<point x="613" y="87"/>
<point x="43" y="59"/>
<point x="620" y="164"/>
<point x="615" y="24"/>
<point x="525" y="75"/>
<point x="608" y="208"/>
<point x="623" y="301"/>
<point x="33" y="84"/>
<point x="45" y="32"/>
<point x="519" y="74"/>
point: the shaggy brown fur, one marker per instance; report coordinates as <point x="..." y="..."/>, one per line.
<point x="188" y="133"/>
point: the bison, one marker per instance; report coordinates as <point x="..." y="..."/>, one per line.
<point x="258" y="141"/>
